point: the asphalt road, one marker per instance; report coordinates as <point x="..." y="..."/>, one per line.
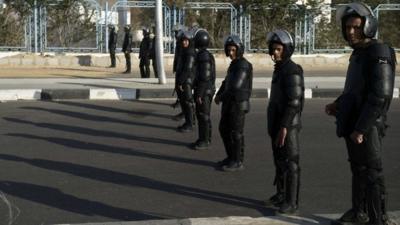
<point x="98" y="161"/>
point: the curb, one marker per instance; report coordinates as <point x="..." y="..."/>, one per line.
<point x="135" y="94"/>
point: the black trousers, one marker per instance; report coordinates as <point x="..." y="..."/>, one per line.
<point x="287" y="168"/>
<point x="128" y="61"/>
<point x="154" y="63"/>
<point x="112" y="57"/>
<point x="186" y="102"/>
<point x="368" y="186"/>
<point x="144" y="66"/>
<point x="231" y="130"/>
<point x="204" y="119"/>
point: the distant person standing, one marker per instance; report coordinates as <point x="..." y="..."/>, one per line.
<point x="127" y="47"/>
<point x="112" y="44"/>
<point x="178" y="31"/>
<point x="144" y="54"/>
<point x="153" y="56"/>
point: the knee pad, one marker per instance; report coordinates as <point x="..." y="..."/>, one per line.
<point x="203" y="116"/>
<point x="236" y="136"/>
<point x="293" y="167"/>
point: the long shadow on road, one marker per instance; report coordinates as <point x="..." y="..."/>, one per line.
<point x="98" y="133"/>
<point x="80" y="145"/>
<point x="97" y="118"/>
<point x="125" y="179"/>
<point x="57" y="199"/>
<point x="113" y="110"/>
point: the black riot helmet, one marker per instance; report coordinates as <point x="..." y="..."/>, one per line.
<point x="127" y="28"/>
<point x="111" y="27"/>
<point x="201" y="39"/>
<point x="281" y="37"/>
<point x="370" y="23"/>
<point x="234" y="40"/>
<point x="146" y="32"/>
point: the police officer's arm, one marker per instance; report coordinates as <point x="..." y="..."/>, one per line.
<point x="187" y="71"/>
<point x="294" y="84"/>
<point x="380" y="92"/>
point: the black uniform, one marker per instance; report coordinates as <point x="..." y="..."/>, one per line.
<point x="153" y="56"/>
<point x="185" y="73"/>
<point x="362" y="107"/>
<point x="112" y="45"/>
<point x="284" y="111"/>
<point x="234" y="93"/>
<point x="127" y="49"/>
<point x="204" y="88"/>
<point x="144" y="56"/>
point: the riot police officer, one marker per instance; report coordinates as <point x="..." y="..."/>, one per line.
<point x="284" y="113"/>
<point x="204" y="88"/>
<point x="361" y="110"/>
<point x="153" y="55"/>
<point x="112" y="44"/>
<point x="185" y="72"/>
<point x="234" y="94"/>
<point x="178" y="30"/>
<point x="127" y="47"/>
<point x="144" y="54"/>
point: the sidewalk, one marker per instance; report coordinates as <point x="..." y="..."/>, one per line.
<point x="100" y="83"/>
<point x="136" y="88"/>
<point x="325" y="219"/>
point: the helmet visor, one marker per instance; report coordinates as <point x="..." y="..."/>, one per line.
<point x="283" y="36"/>
<point x="353" y="8"/>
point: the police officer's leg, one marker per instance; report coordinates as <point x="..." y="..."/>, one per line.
<point x="188" y="109"/>
<point x="280" y="163"/>
<point x="141" y="66"/>
<point x="155" y="68"/>
<point x="224" y="129"/>
<point x="357" y="214"/>
<point x="147" y="67"/>
<point x="112" y="57"/>
<point x="237" y="125"/>
<point x="292" y="172"/>
<point x="128" y="62"/>
<point x="203" y="118"/>
<point x="376" y="193"/>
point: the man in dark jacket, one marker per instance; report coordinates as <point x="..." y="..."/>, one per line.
<point x="112" y="44"/>
<point x="127" y="47"/>
<point x="184" y="81"/>
<point x="234" y="94"/>
<point x="204" y="88"/>
<point x="361" y="110"/>
<point x="284" y="112"/>
<point x="153" y="56"/>
<point x="144" y="54"/>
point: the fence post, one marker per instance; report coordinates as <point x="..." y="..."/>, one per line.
<point x="159" y="43"/>
<point x="106" y="25"/>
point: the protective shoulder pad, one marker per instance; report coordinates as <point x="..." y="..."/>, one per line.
<point x="380" y="50"/>
<point x="244" y="64"/>
<point x="294" y="79"/>
<point x="204" y="56"/>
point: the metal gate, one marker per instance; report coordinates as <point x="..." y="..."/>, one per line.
<point x="80" y="31"/>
